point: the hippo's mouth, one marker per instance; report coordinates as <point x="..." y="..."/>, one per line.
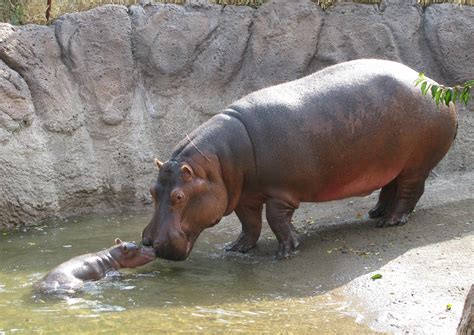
<point x="174" y="256"/>
<point x="148" y="253"/>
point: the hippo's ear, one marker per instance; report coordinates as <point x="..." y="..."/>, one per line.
<point x="118" y="241"/>
<point x="158" y="163"/>
<point x="187" y="171"/>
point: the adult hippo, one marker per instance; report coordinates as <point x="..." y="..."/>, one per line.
<point x="345" y="131"/>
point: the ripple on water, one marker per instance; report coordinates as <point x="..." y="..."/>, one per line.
<point x="213" y="291"/>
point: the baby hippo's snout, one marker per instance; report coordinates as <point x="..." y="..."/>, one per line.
<point x="130" y="255"/>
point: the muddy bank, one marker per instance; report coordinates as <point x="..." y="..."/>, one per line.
<point x="88" y="102"/>
<point x="425" y="265"/>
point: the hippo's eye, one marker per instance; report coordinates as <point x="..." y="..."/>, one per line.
<point x="177" y="196"/>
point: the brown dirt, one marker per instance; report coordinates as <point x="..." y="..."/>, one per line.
<point x="425" y="265"/>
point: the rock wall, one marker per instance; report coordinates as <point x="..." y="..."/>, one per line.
<point x="88" y="102"/>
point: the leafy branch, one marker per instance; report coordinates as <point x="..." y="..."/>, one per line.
<point x="444" y="94"/>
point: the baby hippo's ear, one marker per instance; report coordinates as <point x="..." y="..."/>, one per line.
<point x="158" y="163"/>
<point x="118" y="241"/>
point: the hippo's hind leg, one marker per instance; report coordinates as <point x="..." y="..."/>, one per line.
<point x="279" y="215"/>
<point x="250" y="216"/>
<point x="386" y="198"/>
<point x="410" y="188"/>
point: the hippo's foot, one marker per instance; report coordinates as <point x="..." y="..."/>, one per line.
<point x="392" y="221"/>
<point x="385" y="202"/>
<point x="279" y="213"/>
<point x="287" y="246"/>
<point x="244" y="243"/>
<point x="376" y="212"/>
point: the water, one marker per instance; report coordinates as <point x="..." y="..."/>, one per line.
<point x="213" y="291"/>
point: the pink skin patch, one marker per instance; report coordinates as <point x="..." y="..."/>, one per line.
<point x="358" y="187"/>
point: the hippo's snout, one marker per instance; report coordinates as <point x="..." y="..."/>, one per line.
<point x="173" y="246"/>
<point x="147" y="252"/>
<point x="172" y="256"/>
<point x="170" y="252"/>
<point x="147" y="242"/>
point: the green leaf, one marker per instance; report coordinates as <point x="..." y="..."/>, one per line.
<point x="469" y="83"/>
<point x="448" y="96"/>
<point x="423" y="87"/>
<point x="437" y="96"/>
<point x="455" y="94"/>
<point x="465" y="95"/>
<point x="442" y="95"/>
<point x="421" y="78"/>
<point x="434" y="89"/>
<point x="449" y="306"/>
<point x="466" y="98"/>
<point x="376" y="276"/>
<point x="428" y="88"/>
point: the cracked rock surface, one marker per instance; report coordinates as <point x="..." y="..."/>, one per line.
<point x="88" y="102"/>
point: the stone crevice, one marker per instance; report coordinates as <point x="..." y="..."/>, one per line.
<point x="200" y="47"/>
<point x="309" y="67"/>
<point x="245" y="54"/>
<point x="432" y="53"/>
<point x="10" y="63"/>
<point x="64" y="51"/>
<point x="16" y="68"/>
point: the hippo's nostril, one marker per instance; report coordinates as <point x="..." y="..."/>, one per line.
<point x="147" y="242"/>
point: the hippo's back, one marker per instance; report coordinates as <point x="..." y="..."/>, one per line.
<point x="70" y="275"/>
<point x="353" y="123"/>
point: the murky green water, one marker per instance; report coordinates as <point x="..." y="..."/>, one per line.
<point x="211" y="292"/>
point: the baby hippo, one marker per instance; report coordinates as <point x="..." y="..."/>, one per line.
<point x="70" y="276"/>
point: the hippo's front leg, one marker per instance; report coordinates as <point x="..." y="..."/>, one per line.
<point x="279" y="215"/>
<point x="250" y="216"/>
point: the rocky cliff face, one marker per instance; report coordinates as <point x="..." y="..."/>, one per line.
<point x="88" y="102"/>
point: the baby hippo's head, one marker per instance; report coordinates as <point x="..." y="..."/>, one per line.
<point x="130" y="255"/>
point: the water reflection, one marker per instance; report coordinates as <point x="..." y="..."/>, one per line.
<point x="212" y="291"/>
